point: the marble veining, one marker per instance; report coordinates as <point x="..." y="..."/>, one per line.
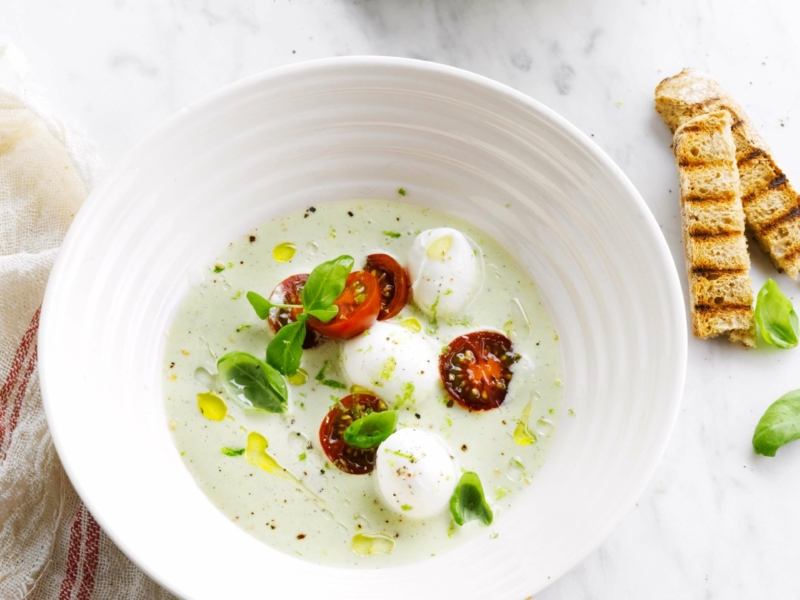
<point x="716" y="521"/>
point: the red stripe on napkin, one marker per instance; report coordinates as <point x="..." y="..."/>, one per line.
<point x="91" y="555"/>
<point x="73" y="555"/>
<point x="16" y="365"/>
<point x="16" y="403"/>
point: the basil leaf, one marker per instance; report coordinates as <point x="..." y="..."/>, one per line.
<point x="779" y="425"/>
<point x="369" y="431"/>
<point x="775" y="316"/>
<point x="326" y="282"/>
<point x="468" y="502"/>
<point x="325" y="314"/>
<point x="260" y="304"/>
<point x="252" y="382"/>
<point x="286" y="348"/>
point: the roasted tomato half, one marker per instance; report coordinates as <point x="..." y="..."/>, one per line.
<point x="477" y="369"/>
<point x="358" y="304"/>
<point x="347" y="458"/>
<point x="393" y="282"/>
<point x="289" y="291"/>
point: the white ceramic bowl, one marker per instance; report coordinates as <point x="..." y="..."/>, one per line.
<point x="361" y="128"/>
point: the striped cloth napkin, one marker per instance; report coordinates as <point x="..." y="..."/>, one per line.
<point x="50" y="545"/>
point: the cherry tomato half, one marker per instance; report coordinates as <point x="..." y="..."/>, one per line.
<point x="477" y="369"/>
<point x="289" y="291"/>
<point x="393" y="282"/>
<point x="347" y="458"/>
<point x="358" y="304"/>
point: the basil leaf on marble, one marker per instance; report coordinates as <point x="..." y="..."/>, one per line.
<point x="775" y="317"/>
<point x="779" y="425"/>
<point x="252" y="382"/>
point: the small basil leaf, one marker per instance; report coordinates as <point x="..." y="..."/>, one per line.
<point x="326" y="282"/>
<point x="260" y="304"/>
<point x="369" y="431"/>
<point x="263" y="306"/>
<point x="321" y="375"/>
<point x="325" y="314"/>
<point x="286" y="348"/>
<point x="779" y="425"/>
<point x="775" y="316"/>
<point x="468" y="502"/>
<point x="232" y="451"/>
<point x="252" y="382"/>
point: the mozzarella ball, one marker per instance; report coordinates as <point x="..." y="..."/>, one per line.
<point x="393" y="362"/>
<point x="445" y="272"/>
<point x="416" y="473"/>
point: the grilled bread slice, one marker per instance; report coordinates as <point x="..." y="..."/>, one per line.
<point x="717" y="261"/>
<point x="771" y="205"/>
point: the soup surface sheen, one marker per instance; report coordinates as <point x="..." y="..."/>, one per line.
<point x="215" y="318"/>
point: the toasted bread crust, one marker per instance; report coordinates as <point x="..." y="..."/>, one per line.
<point x="771" y="205"/>
<point x="717" y="261"/>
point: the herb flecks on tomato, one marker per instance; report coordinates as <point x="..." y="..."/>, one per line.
<point x="290" y="291"/>
<point x="476" y="370"/>
<point x="393" y="282"/>
<point x="358" y="305"/>
<point x="356" y="461"/>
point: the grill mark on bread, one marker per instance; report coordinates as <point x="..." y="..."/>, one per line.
<point x="792" y="254"/>
<point x="713" y="235"/>
<point x="738" y="124"/>
<point x="748" y="199"/>
<point x="715" y="272"/>
<point x="722" y="307"/>
<point x="685" y="164"/>
<point x="694" y="199"/>
<point x="752" y="156"/>
<point x="691" y="128"/>
<point x="793" y="214"/>
<point x="778" y="181"/>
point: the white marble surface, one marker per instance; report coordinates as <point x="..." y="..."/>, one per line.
<point x="716" y="521"/>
